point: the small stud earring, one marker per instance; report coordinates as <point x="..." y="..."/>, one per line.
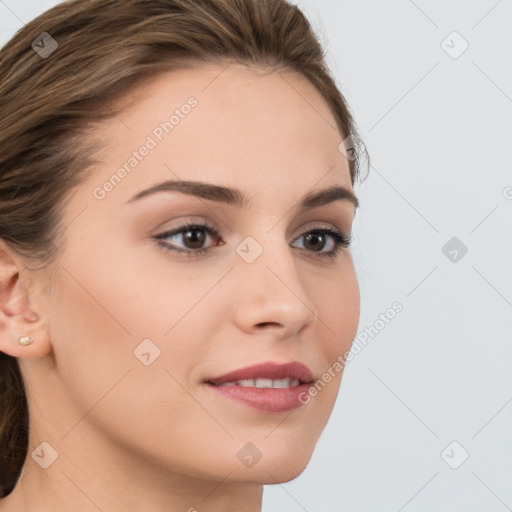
<point x="25" y="340"/>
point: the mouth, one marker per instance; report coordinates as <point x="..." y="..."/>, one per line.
<point x="264" y="383"/>
<point x="269" y="387"/>
<point x="266" y="375"/>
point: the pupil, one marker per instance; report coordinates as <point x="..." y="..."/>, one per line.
<point x="315" y="237"/>
<point x="197" y="240"/>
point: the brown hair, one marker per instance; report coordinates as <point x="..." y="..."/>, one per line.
<point x="49" y="102"/>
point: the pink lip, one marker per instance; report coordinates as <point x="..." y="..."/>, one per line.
<point x="272" y="371"/>
<point x="266" y="399"/>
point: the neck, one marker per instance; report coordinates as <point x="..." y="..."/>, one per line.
<point x="81" y="480"/>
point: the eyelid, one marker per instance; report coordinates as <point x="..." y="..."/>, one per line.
<point x="206" y="224"/>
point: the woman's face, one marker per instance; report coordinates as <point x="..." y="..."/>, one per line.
<point x="137" y="328"/>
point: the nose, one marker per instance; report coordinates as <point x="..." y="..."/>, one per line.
<point x="270" y="294"/>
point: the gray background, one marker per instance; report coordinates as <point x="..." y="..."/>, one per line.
<point x="434" y="385"/>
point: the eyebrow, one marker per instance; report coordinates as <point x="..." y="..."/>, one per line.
<point x="235" y="197"/>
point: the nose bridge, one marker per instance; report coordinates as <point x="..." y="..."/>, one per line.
<point x="271" y="288"/>
<point x="267" y="249"/>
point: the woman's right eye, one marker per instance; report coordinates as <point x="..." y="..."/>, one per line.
<point x="191" y="233"/>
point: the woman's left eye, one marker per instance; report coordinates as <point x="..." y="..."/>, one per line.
<point x="195" y="235"/>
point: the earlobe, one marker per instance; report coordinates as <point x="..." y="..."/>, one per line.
<point x="23" y="333"/>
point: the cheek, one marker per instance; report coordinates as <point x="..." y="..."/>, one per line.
<point x="336" y="298"/>
<point x="92" y="341"/>
<point x="102" y="315"/>
<point x="109" y="303"/>
<point x="337" y="301"/>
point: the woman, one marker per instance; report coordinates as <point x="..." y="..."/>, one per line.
<point x="177" y="289"/>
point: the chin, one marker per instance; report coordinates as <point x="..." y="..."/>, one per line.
<point x="275" y="470"/>
<point x="286" y="474"/>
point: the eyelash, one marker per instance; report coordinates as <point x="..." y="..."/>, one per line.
<point x="340" y="240"/>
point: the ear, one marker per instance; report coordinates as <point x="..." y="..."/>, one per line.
<point x="20" y="315"/>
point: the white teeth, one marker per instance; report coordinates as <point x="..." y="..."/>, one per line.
<point x="264" y="383"/>
<point x="246" y="382"/>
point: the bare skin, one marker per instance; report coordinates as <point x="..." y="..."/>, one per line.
<point x="135" y="437"/>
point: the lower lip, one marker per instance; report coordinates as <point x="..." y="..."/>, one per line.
<point x="266" y="399"/>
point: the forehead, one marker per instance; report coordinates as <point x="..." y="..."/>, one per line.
<point x="227" y="124"/>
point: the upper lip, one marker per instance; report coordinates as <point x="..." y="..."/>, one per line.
<point x="270" y="370"/>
